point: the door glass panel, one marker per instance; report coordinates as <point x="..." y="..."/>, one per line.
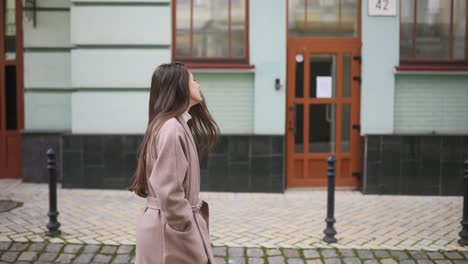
<point x="347" y="75"/>
<point x="299" y="129"/>
<point x="322" y="135"/>
<point x="345" y="127"/>
<point x="323" y="18"/>
<point x="10" y="29"/>
<point x="299" y="75"/>
<point x="10" y="90"/>
<point x="322" y="67"/>
<point x="296" y="15"/>
<point x="349" y="18"/>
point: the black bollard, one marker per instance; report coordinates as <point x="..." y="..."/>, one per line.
<point x="330" y="231"/>
<point x="464" y="233"/>
<point x="53" y="224"/>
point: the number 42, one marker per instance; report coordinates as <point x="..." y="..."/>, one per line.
<point x="382" y="4"/>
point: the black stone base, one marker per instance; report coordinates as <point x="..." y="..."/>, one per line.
<point x="34" y="145"/>
<point x="414" y="165"/>
<point x="239" y="163"/>
<point x="245" y="164"/>
<point x="99" y="161"/>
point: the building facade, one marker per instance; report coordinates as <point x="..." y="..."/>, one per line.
<point x="380" y="85"/>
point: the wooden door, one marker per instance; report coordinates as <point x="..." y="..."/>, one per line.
<point x="11" y="88"/>
<point x="323" y="91"/>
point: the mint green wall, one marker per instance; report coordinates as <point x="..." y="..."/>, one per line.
<point x="431" y="103"/>
<point x="124" y="110"/>
<point x="380" y="55"/>
<point x="111" y="69"/>
<point x="47" y="110"/>
<point x="120" y="24"/>
<point x="52" y="29"/>
<point x="108" y="67"/>
<point x="47" y="67"/>
<point x="102" y="69"/>
<point x="112" y="62"/>
<point x="109" y="112"/>
<point x="268" y="55"/>
<point x="118" y="2"/>
<point x="53" y="3"/>
<point x="406" y="102"/>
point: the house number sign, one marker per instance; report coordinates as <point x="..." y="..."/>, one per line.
<point x="382" y="7"/>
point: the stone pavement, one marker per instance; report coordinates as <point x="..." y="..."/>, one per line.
<point x="251" y="220"/>
<point x="45" y="252"/>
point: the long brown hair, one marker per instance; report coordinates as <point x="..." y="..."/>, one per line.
<point x="170" y="97"/>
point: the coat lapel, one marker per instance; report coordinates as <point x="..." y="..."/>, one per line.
<point x="188" y="132"/>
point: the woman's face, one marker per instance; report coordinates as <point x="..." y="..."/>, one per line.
<point x="195" y="93"/>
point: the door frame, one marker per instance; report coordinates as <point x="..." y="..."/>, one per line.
<point x="335" y="46"/>
<point x="10" y="140"/>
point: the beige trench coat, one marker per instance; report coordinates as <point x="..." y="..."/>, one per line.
<point x="174" y="226"/>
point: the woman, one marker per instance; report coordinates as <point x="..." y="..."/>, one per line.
<point x="174" y="226"/>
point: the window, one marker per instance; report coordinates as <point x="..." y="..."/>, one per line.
<point x="323" y="18"/>
<point x="211" y="31"/>
<point x="9" y="8"/>
<point x="433" y="32"/>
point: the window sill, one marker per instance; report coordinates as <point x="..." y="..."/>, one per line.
<point x="209" y="67"/>
<point x="431" y="69"/>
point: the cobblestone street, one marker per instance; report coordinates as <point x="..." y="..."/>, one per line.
<point x="16" y="252"/>
<point x="98" y="226"/>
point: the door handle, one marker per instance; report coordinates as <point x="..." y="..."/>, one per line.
<point x="328" y="117"/>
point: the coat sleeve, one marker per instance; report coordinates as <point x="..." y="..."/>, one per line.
<point x="167" y="175"/>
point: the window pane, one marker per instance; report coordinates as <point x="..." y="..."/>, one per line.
<point x="238" y="28"/>
<point x="296" y="17"/>
<point x="322" y="136"/>
<point x="322" y="65"/>
<point x="210" y="28"/>
<point x="183" y="28"/>
<point x="322" y="18"/>
<point x="299" y="75"/>
<point x="433" y="29"/>
<point x="459" y="29"/>
<point x="406" y="29"/>
<point x="10" y="92"/>
<point x="299" y="129"/>
<point x="10" y="29"/>
<point x="349" y="18"/>
<point x="346" y="92"/>
<point x="345" y="127"/>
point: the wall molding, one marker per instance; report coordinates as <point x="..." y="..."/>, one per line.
<point x="119" y="3"/>
<point x="121" y="46"/>
<point x="97" y="46"/>
<point x="84" y="89"/>
<point x="49" y="9"/>
<point x="47" y="49"/>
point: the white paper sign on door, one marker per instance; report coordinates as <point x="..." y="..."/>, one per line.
<point x="324" y="86"/>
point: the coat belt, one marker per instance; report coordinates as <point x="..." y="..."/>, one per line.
<point x="153" y="203"/>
